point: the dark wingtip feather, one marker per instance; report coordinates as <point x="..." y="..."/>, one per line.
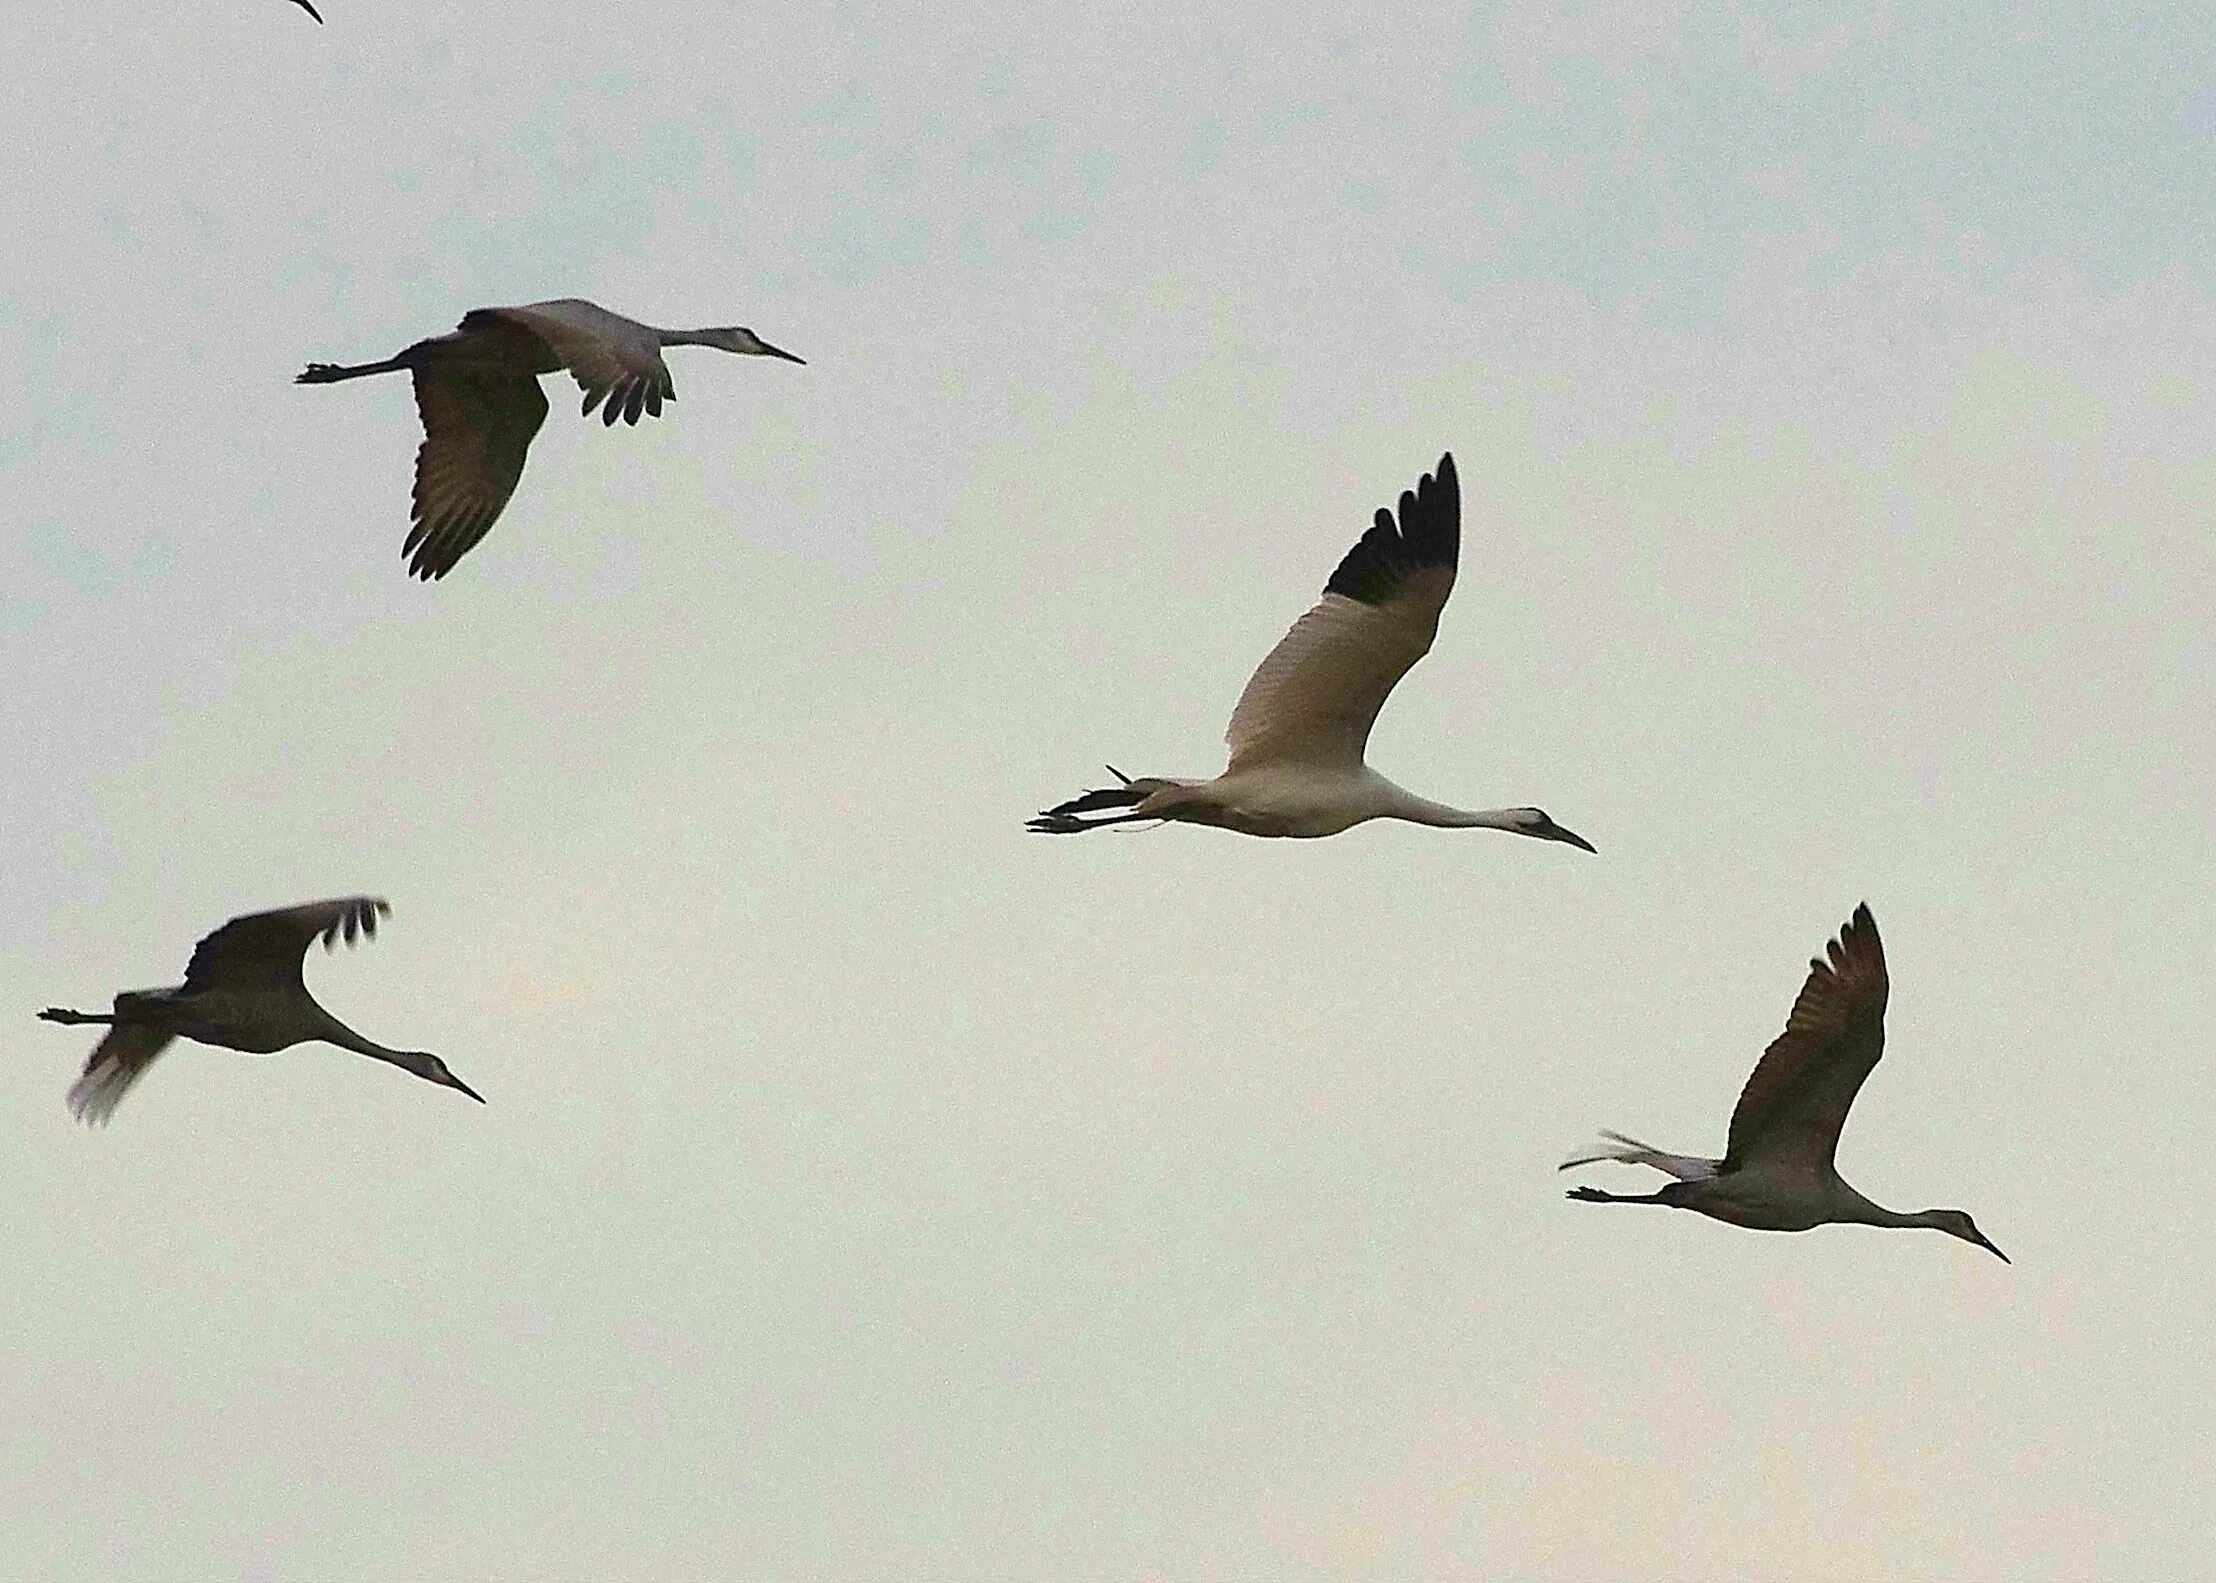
<point x="1428" y="535"/>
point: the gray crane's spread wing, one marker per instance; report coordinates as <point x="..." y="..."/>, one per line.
<point x="617" y="362"/>
<point x="1797" y="1098"/>
<point x="477" y="429"/>
<point x="263" y="949"/>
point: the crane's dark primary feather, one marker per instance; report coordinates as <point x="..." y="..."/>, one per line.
<point x="1429" y="535"/>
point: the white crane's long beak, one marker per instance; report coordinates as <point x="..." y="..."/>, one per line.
<point x="1550" y="831"/>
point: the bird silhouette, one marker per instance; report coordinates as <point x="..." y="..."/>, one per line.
<point x="477" y="392"/>
<point x="1777" y="1172"/>
<point x="243" y="991"/>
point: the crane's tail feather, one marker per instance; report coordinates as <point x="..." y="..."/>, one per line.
<point x="1630" y="1151"/>
<point x="1064" y="818"/>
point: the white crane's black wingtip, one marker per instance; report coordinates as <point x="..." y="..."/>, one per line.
<point x="1427" y="537"/>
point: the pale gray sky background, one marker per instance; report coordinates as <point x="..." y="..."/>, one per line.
<point x="871" y="1190"/>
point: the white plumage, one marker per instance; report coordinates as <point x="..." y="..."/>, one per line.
<point x="1299" y="731"/>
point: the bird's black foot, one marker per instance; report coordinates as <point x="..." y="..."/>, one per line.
<point x="1591" y="1195"/>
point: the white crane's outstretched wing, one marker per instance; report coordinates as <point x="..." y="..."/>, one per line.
<point x="263" y="949"/>
<point x="477" y="429"/>
<point x="614" y="360"/>
<point x="1799" y="1093"/>
<point x="1314" y="699"/>
<point x="117" y="1062"/>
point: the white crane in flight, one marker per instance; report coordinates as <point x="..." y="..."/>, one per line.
<point x="477" y="391"/>
<point x="1299" y="730"/>
<point x="243" y="991"/>
<point x="1777" y="1172"/>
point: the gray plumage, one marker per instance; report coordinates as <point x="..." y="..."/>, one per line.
<point x="243" y="990"/>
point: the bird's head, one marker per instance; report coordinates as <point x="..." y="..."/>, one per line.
<point x="1534" y="822"/>
<point x="745" y="342"/>
<point x="431" y="1067"/>
<point x="1957" y="1223"/>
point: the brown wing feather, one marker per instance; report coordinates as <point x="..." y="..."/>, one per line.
<point x="1798" y="1095"/>
<point x="477" y="428"/>
<point x="618" y="368"/>
<point x="265" y="948"/>
<point x="116" y="1062"/>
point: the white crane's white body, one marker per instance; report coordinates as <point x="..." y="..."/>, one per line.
<point x="243" y="990"/>
<point x="1305" y="801"/>
<point x="1777" y="1173"/>
<point x="477" y="392"/>
<point x="1299" y="732"/>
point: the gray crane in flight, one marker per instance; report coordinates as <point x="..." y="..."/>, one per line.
<point x="243" y="991"/>
<point x="1301" y="727"/>
<point x="1777" y="1172"/>
<point x="477" y="392"/>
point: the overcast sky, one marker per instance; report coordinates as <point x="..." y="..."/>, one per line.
<point x="868" y="1189"/>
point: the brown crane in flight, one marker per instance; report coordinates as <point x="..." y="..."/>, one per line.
<point x="243" y="991"/>
<point x="477" y="392"/>
<point x="1777" y="1172"/>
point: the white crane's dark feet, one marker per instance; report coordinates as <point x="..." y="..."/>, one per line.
<point x="1061" y="819"/>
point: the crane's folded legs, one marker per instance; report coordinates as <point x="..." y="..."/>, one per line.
<point x="1594" y="1195"/>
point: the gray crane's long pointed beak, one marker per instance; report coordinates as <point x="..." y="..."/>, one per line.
<point x="1550" y="831"/>
<point x="454" y="1082"/>
<point x="778" y="351"/>
<point x="1980" y="1239"/>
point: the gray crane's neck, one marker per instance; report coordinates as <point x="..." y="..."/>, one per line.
<point x="1853" y="1206"/>
<point x="333" y="1031"/>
